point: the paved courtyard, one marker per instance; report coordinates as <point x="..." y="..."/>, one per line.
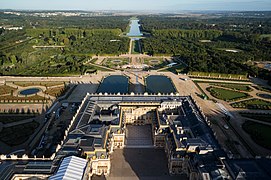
<point x="140" y="163"/>
<point x="138" y="136"/>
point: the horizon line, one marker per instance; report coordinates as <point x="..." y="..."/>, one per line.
<point x="134" y="10"/>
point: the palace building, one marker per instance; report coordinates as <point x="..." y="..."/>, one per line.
<point x="172" y="122"/>
<point x="104" y="123"/>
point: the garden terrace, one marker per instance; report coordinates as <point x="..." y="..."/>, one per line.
<point x="233" y="86"/>
<point x="227" y="95"/>
<point x="253" y="104"/>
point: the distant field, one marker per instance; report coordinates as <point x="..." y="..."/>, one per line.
<point x="260" y="133"/>
<point x="226" y="95"/>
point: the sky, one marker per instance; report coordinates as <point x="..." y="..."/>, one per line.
<point x="236" y="5"/>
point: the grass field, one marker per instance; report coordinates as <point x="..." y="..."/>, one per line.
<point x="260" y="133"/>
<point x="13" y="118"/>
<point x="259" y="117"/>
<point x="4" y="89"/>
<point x="233" y="86"/>
<point x="226" y="95"/>
<point x="17" y="135"/>
<point x="253" y="104"/>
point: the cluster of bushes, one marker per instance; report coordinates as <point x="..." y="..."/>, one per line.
<point x="253" y="104"/>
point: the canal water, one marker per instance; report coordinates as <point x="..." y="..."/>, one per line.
<point x="134" y="29"/>
<point x="159" y="84"/>
<point x="114" y="84"/>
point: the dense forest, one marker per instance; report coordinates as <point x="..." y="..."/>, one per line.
<point x="83" y="41"/>
<point x="94" y="22"/>
<point x="76" y="47"/>
<point x="224" y="45"/>
<point x="209" y="43"/>
<point x="250" y="25"/>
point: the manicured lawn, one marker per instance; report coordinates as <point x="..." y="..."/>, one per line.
<point x="4" y="89"/>
<point x="226" y="95"/>
<point x="233" y="86"/>
<point x="253" y="104"/>
<point x="260" y="133"/>
<point x="259" y="117"/>
<point x="16" y="135"/>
